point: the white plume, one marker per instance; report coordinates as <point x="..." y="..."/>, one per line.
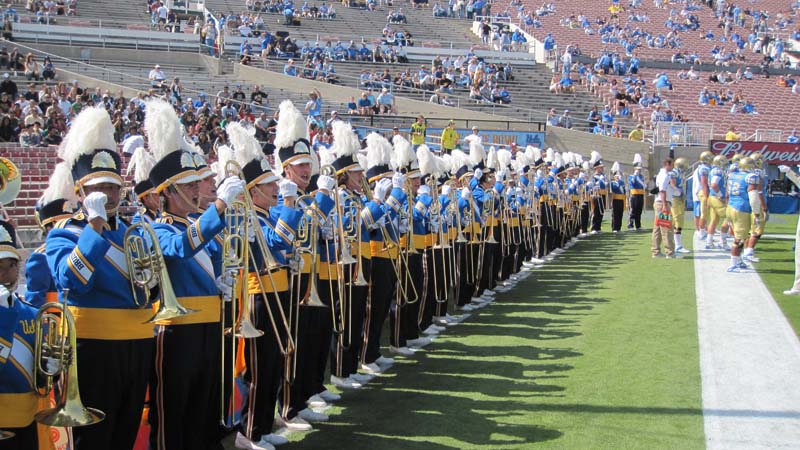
<point x="291" y="125"/>
<point x="245" y="146"/>
<point x="492" y="161"/>
<point x="61" y="185"/>
<point x="550" y="155"/>
<point x="586" y="165"/>
<point x="428" y="164"/>
<point x="403" y="153"/>
<point x="504" y="158"/>
<point x="326" y="156"/>
<point x="637" y="159"/>
<point x="615" y="167"/>
<point x="91" y="130"/>
<point x="362" y="160"/>
<point x="345" y="140"/>
<point x="447" y="162"/>
<point x="578" y="159"/>
<point x="224" y="154"/>
<point x="595" y="157"/>
<point x="314" y="161"/>
<point x="568" y="158"/>
<point x="163" y="129"/>
<point x="476" y="153"/>
<point x="379" y="150"/>
<point x="141" y="164"/>
<point x="534" y="154"/>
<point x="558" y="160"/>
<point x="458" y="159"/>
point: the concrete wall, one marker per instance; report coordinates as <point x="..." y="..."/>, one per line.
<point x="341" y="94"/>
<point x="83" y="53"/>
<point x="84" y="81"/>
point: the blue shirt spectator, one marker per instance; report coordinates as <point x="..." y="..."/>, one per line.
<point x="290" y="69"/>
<point x="549" y="42"/>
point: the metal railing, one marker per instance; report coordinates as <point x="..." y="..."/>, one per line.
<point x="686" y="134"/>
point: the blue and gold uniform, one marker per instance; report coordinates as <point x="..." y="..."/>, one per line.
<point x="636" y="184"/>
<point x="599" y="192"/>
<point x="618" y="200"/>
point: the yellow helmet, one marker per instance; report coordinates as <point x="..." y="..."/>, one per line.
<point x="746" y="164"/>
<point x="707" y="157"/>
<point x="720" y="161"/>
<point x="736" y="157"/>
<point x="682" y="163"/>
<point x="758" y="159"/>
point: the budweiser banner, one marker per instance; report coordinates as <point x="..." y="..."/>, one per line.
<point x="774" y="152"/>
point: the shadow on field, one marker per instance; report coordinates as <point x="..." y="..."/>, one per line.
<point x="478" y="385"/>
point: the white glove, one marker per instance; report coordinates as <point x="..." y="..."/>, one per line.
<point x="296" y="263"/>
<point x="287" y="188"/>
<point x="446" y="190"/>
<point x="466" y="194"/>
<point x="95" y="205"/>
<point x="326" y="183"/>
<point x="230" y="189"/>
<point x="251" y="227"/>
<point x="327" y="230"/>
<point x="381" y="189"/>
<point x="424" y="190"/>
<point x="500" y="176"/>
<point x="398" y="180"/>
<point x="4" y="296"/>
<point x="435" y="222"/>
<point x="403" y="226"/>
<point x="225" y="285"/>
<point x="478" y="174"/>
<point x="378" y="223"/>
<point x="539" y="173"/>
<point x="53" y="365"/>
<point x="784" y="169"/>
<point x="582" y="176"/>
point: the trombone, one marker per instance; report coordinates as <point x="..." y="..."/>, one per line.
<point x="146" y="263"/>
<point x="56" y="337"/>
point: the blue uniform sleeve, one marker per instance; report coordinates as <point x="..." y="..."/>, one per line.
<point x="74" y="260"/>
<point x="282" y="237"/>
<point x="185" y="244"/>
<point x="38" y="278"/>
<point x="396" y="200"/>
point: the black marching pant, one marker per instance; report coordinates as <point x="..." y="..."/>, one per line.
<point x="185" y="396"/>
<point x="321" y="333"/>
<point x="265" y="364"/>
<point x="381" y="292"/>
<point x="113" y="377"/>
<point x="599" y="209"/>
<point x="404" y="311"/>
<point x="25" y="438"/>
<point x="444" y="276"/>
<point x="467" y="260"/>
<point x="617" y="210"/>
<point x="584" y="223"/>
<point x="291" y="399"/>
<point x="346" y="349"/>
<point x="637" y="206"/>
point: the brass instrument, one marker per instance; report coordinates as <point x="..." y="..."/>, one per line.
<point x="10" y="187"/>
<point x="355" y="203"/>
<point x="307" y="231"/>
<point x="488" y="211"/>
<point x="146" y="264"/>
<point x="341" y="254"/>
<point x="56" y="337"/>
<point x="4" y="434"/>
<point x="389" y="244"/>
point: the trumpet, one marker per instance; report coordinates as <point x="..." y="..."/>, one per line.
<point x="60" y="343"/>
<point x="307" y="231"/>
<point x="356" y="207"/>
<point x="146" y="262"/>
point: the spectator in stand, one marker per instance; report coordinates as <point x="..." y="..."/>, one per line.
<point x="32" y="67"/>
<point x="793" y="138"/>
<point x="364" y="105"/>
<point x="732" y="135"/>
<point x="449" y="137"/>
<point x="552" y="117"/>
<point x="314" y="105"/>
<point x="28" y="137"/>
<point x="386" y="102"/>
<point x="290" y="69"/>
<point x="157" y="78"/>
<point x="637" y="134"/>
<point x="48" y="70"/>
<point x="9" y="86"/>
<point x="565" y="121"/>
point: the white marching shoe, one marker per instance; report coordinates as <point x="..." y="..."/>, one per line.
<point x="384" y="361"/>
<point x="246" y="444"/>
<point x="273" y="439"/>
<point x="360" y="378"/>
<point x="316" y="401"/>
<point x="419" y="342"/>
<point x="371" y="368"/>
<point x="345" y="383"/>
<point x="296" y="423"/>
<point x="432" y="329"/>
<point x="791" y="292"/>
<point x="309" y="415"/>
<point x="404" y="351"/>
<point x="329" y="396"/>
<point x="536" y="261"/>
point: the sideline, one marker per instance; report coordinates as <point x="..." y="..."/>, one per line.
<point x="749" y="360"/>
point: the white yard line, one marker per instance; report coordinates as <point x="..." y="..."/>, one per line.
<point x="749" y="360"/>
<point x="781" y="237"/>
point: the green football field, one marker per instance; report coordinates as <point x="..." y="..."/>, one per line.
<point x="597" y="350"/>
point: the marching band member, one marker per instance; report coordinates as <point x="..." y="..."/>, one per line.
<point x="509" y="219"/>
<point x="142" y="163"/>
<point x="700" y="193"/>
<point x="293" y="159"/>
<point x="586" y="198"/>
<point x="483" y="194"/>
<point x="678" y="210"/>
<point x="84" y="252"/>
<point x="410" y="297"/>
<point x="599" y="190"/>
<point x="380" y="215"/>
<point x="636" y="184"/>
<point x="717" y="203"/>
<point x="18" y="400"/>
<point x="557" y="200"/>
<point x="618" y="197"/>
<point x="186" y="389"/>
<point x="51" y="208"/>
<point x="760" y="214"/>
<point x="468" y="218"/>
<point x="270" y="306"/>
<point x="346" y="350"/>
